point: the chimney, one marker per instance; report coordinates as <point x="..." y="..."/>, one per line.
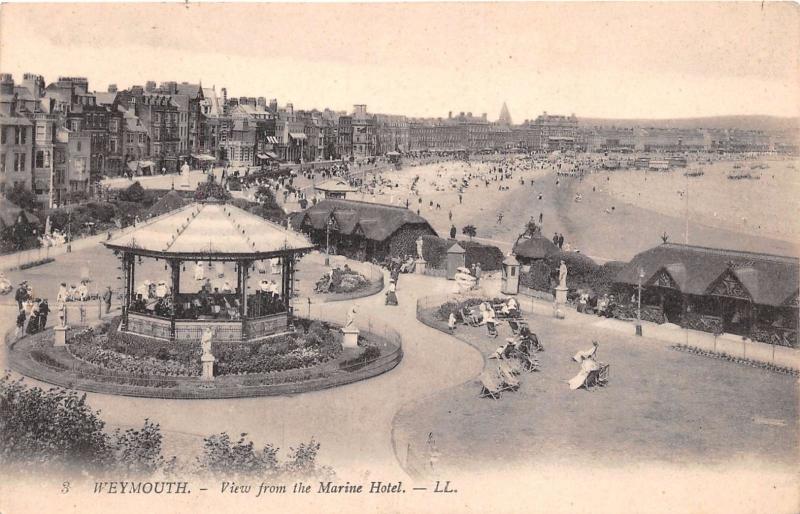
<point x="449" y="114"/>
<point x="150" y="86"/>
<point x="6" y="84"/>
<point x="273" y="105"/>
<point x="112" y="88"/>
<point x="483" y="116"/>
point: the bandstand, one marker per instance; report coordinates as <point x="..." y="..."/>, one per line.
<point x="208" y="234"/>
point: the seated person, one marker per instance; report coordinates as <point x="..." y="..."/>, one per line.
<point x="227" y="287"/>
<point x="63" y="293"/>
<point x="162" y="290"/>
<point x="588" y="364"/>
<point x="73" y="293"/>
<point x="144" y="290"/>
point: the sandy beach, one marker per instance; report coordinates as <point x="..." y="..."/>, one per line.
<point x="641" y="213"/>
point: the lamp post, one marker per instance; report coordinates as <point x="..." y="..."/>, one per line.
<point x="639" y="305"/>
<point x="328" y="242"/>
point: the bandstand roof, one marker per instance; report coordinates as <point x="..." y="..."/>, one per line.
<point x="214" y="231"/>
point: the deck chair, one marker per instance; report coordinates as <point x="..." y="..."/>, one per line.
<point x="467" y="318"/>
<point x="517" y="325"/>
<point x="489" y="386"/>
<point x="598" y="378"/>
<point x="529" y="362"/>
<point x="510" y="365"/>
<point x="507" y="379"/>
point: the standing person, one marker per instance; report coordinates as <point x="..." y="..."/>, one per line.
<point x="453" y="232"/>
<point x="20" y="323"/>
<point x="560" y="240"/>
<point x="22" y="294"/>
<point x="541" y="217"/>
<point x="44" y="310"/>
<point x="107" y="295"/>
<point x="27" y="309"/>
<point x="477" y="273"/>
<point x="555" y="238"/>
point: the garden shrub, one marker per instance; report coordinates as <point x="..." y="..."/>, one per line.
<point x="444" y="310"/>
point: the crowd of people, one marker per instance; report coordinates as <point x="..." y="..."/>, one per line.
<point x="32" y="311"/>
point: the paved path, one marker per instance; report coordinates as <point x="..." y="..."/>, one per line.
<point x="353" y="423"/>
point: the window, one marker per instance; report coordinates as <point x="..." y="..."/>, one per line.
<point x="130" y="139"/>
<point x="20" y="135"/>
<point x="2" y="163"/>
<point x="41" y="132"/>
<point x="112" y="146"/>
<point x="2" y="135"/>
<point x="40" y="158"/>
<point x="141" y="138"/>
<point x="79" y="146"/>
<point x="19" y="162"/>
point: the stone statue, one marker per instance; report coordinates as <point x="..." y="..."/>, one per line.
<point x="205" y="341"/>
<point x="185" y="174"/>
<point x="419" y="249"/>
<point x="562" y="275"/>
<point x="351" y="318"/>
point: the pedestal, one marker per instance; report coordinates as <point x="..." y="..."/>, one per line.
<point x="350" y="339"/>
<point x="419" y="266"/>
<point x="208" y="367"/>
<point x="561" y="295"/>
<point x="60" y="336"/>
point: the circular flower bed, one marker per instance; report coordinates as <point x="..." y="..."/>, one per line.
<point x="341" y="280"/>
<point x="106" y="347"/>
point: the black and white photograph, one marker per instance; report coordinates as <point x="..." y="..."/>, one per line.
<point x="412" y="257"/>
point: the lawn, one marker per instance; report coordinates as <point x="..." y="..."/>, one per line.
<point x="660" y="405"/>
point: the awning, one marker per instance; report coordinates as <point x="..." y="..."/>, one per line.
<point x="297" y="135"/>
<point x="272" y="140"/>
<point x="203" y="157"/>
<point x="268" y="155"/>
<point x="138" y="165"/>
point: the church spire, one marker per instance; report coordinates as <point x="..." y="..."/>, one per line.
<point x="505" y="116"/>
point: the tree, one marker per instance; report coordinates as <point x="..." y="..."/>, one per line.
<point x="469" y="231"/>
<point x="22" y="198"/>
<point x="134" y="193"/>
<point x="57" y="429"/>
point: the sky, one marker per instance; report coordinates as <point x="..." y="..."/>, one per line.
<point x="611" y="60"/>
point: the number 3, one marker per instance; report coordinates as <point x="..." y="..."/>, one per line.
<point x="64" y="487"/>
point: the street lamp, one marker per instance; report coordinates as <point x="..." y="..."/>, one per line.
<point x="328" y="242"/>
<point x="639" y="305"/>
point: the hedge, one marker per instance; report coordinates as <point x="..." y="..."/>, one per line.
<point x="434" y="250"/>
<point x="582" y="273"/>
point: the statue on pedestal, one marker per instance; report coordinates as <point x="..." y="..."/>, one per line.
<point x="351" y="318"/>
<point x="562" y="275"/>
<point x="205" y="341"/>
<point x="185" y="174"/>
<point x="419" y="249"/>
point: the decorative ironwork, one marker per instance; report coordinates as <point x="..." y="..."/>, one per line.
<point x="776" y="335"/>
<point x="728" y="285"/>
<point x="702" y="322"/>
<point x="664" y="279"/>
<point x="733" y="265"/>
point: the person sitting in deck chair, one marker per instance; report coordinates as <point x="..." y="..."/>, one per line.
<point x="588" y="365"/>
<point x="491" y="322"/>
<point x="586" y="354"/>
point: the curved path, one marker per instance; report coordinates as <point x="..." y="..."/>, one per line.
<point x="353" y="423"/>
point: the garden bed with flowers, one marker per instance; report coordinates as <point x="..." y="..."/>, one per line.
<point x="102" y="359"/>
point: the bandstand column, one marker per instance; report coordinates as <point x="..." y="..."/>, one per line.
<point x="289" y="288"/>
<point x="127" y="273"/>
<point x="175" y="265"/>
<point x="244" y="268"/>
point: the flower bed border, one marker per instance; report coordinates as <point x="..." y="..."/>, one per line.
<point x="226" y="386"/>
